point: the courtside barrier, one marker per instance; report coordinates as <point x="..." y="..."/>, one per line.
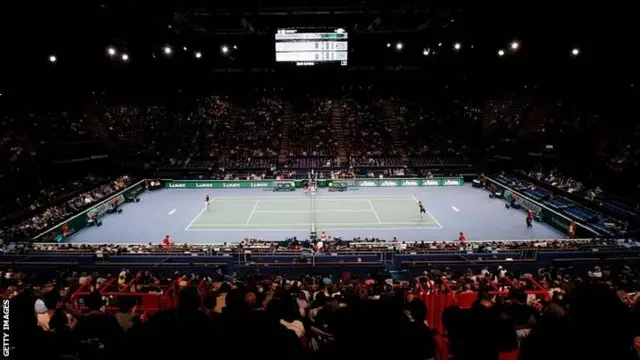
<point x="79" y="222"/>
<point x="549" y="216"/>
<point x="323" y="183"/>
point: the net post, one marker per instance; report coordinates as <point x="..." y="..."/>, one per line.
<point x="313" y="235"/>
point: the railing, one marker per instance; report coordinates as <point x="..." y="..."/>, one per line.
<point x="550" y="216"/>
<point x="77" y="222"/>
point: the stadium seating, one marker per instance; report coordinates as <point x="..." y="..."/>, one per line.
<point x="145" y="284"/>
<point x="227" y="137"/>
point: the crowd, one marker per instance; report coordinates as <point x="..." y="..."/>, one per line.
<point x="329" y="245"/>
<point x="312" y="132"/>
<point x="383" y="136"/>
<point x="370" y="133"/>
<point x="549" y="314"/>
<point x="42" y="218"/>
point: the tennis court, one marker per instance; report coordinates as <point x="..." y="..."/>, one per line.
<point x="312" y="212"/>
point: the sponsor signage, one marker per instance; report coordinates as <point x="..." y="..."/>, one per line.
<point x="388" y="183"/>
<point x="559" y="221"/>
<point x="450" y="182"/>
<point x="79" y="221"/>
<point x="367" y="183"/>
<point x="248" y="184"/>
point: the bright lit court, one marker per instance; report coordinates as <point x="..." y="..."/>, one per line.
<point x="325" y="213"/>
<point x="236" y="214"/>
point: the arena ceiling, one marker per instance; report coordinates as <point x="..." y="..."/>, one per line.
<point x="78" y="35"/>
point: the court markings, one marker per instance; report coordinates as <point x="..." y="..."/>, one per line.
<point x="198" y="216"/>
<point x="322" y="228"/>
<point x="455" y="209"/>
<point x="422" y="225"/>
<point x="428" y="213"/>
<point x="253" y="211"/>
<point x="374" y="211"/>
<point x="416" y="224"/>
<point x="307" y="211"/>
<point x="172" y="212"/>
<point x="336" y="199"/>
<point x="195" y="218"/>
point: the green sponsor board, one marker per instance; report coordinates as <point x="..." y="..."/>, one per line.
<point x="558" y="221"/>
<point x="79" y="222"/>
<point x="248" y="184"/>
<point x="409" y="182"/>
<point x="101" y="209"/>
<point x="226" y="184"/>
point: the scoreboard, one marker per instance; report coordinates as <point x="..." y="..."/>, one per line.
<point x="309" y="48"/>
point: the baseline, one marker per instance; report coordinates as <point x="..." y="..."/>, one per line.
<point x="350" y="198"/>
<point x="306" y="211"/>
<point x="428" y="213"/>
<point x="374" y="211"/>
<point x="417" y="225"/>
<point x="197" y="216"/>
<point x="253" y="211"/>
<point x="327" y="229"/>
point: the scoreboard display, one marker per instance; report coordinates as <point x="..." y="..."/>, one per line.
<point x="307" y="48"/>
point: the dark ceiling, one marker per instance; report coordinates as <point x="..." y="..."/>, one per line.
<point x="79" y="34"/>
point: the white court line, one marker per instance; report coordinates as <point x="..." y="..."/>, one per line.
<point x="352" y="198"/>
<point x="253" y="211"/>
<point x="172" y="212"/>
<point x="335" y="229"/>
<point x="428" y="213"/>
<point x="374" y="211"/>
<point x="195" y="218"/>
<point x="222" y="226"/>
<point x="306" y="211"/>
<point x="455" y="209"/>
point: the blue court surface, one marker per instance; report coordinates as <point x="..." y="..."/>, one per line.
<point x="384" y="213"/>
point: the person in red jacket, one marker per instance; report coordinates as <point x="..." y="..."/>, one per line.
<point x="530" y="217"/>
<point x="166" y="242"/>
<point x="462" y="239"/>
